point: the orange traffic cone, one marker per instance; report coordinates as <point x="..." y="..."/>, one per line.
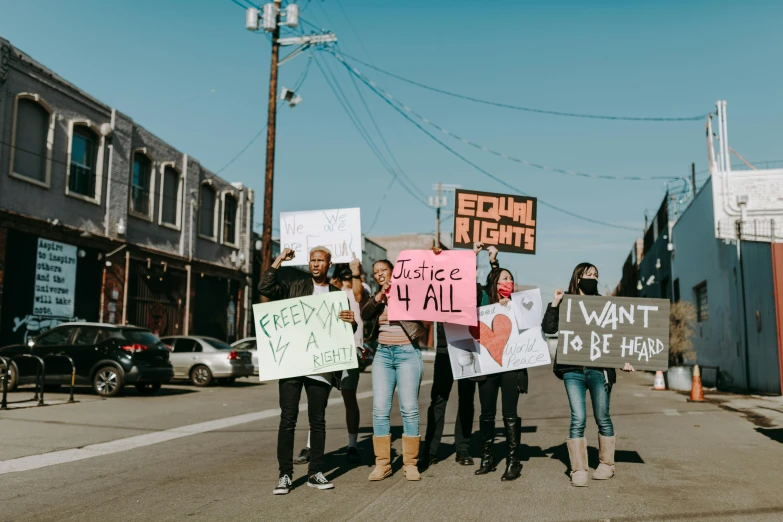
<point x="697" y="392"/>
<point x="659" y="384"/>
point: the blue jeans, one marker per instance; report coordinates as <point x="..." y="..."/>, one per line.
<point x="577" y="382"/>
<point x="396" y="366"/>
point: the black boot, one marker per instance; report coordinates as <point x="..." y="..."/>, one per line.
<point x="513" y="465"/>
<point x="487" y="440"/>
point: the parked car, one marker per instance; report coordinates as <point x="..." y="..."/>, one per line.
<point x="248" y="344"/>
<point x="106" y="356"/>
<point x="201" y="360"/>
<point x="365" y="354"/>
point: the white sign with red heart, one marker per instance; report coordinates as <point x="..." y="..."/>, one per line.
<point x="498" y="343"/>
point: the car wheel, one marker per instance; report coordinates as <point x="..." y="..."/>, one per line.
<point x="13" y="378"/>
<point x="228" y="381"/>
<point x="107" y="382"/>
<point x="201" y="376"/>
<point x="148" y="388"/>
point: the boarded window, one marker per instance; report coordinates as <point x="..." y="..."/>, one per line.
<point x="207" y="212"/>
<point x="84" y="157"/>
<point x="700" y="296"/>
<point x="168" y="211"/>
<point x="32" y="125"/>
<point x="141" y="184"/>
<point x="230" y="220"/>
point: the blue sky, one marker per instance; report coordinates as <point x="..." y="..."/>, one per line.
<point x="160" y="61"/>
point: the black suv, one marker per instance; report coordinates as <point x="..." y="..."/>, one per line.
<point x="105" y="356"/>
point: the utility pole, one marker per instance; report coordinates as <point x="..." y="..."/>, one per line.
<point x="270" y="21"/>
<point x="269" y="178"/>
<point x="438" y="202"/>
<point x="693" y="179"/>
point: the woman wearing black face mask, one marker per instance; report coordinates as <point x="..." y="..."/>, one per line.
<point x="578" y="380"/>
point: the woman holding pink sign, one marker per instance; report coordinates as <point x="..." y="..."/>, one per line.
<point x="397" y="364"/>
<point x="500" y="286"/>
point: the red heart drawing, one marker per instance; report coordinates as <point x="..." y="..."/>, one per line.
<point x="493" y="339"/>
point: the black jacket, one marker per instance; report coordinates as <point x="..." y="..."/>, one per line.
<point x="550" y="326"/>
<point x="272" y="288"/>
<point x="372" y="310"/>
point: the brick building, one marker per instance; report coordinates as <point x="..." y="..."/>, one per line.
<point x="101" y="220"/>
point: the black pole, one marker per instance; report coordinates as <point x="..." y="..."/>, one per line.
<point x="6" y="373"/>
<point x="693" y="179"/>
<point x="744" y="306"/>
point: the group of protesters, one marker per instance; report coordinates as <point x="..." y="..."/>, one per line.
<point x="398" y="365"/>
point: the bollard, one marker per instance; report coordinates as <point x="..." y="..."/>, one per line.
<point x="4" y="377"/>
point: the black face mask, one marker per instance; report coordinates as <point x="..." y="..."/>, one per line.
<point x="589" y="286"/>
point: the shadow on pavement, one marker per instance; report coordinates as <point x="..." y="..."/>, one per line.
<point x="775" y="434"/>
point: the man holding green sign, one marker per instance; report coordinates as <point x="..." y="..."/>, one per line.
<point x="303" y="337"/>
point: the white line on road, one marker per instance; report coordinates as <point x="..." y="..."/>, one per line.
<point x="148" y="439"/>
<point x="639" y="395"/>
<point x="672" y="413"/>
<point x="695" y="413"/>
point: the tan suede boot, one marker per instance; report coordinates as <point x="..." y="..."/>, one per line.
<point x="410" y="457"/>
<point x="605" y="469"/>
<point x="577" y="452"/>
<point x="382" y="447"/>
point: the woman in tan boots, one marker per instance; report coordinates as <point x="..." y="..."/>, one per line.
<point x="578" y="380"/>
<point x="397" y="364"/>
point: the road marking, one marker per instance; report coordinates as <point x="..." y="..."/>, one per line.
<point x="695" y="413"/>
<point x="148" y="439"/>
<point x="672" y="413"/>
<point x="639" y="395"/>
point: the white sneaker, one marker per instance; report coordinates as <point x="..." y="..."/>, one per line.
<point x="318" y="481"/>
<point x="283" y="486"/>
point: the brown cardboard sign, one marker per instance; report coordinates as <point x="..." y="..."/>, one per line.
<point x="505" y="221"/>
<point x="607" y="332"/>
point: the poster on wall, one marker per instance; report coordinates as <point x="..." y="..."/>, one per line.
<point x="338" y="229"/>
<point x="46" y="283"/>
<point x="55" y="279"/>
<point x="303" y="336"/>
<point x="607" y="332"/>
<point x="497" y="344"/>
<point x="506" y="221"/>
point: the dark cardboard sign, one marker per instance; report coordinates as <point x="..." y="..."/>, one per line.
<point x="607" y="332"/>
<point x="505" y="221"/>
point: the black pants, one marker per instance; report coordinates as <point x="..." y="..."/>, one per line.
<point x="436" y="414"/>
<point x="508" y="383"/>
<point x="317" y="398"/>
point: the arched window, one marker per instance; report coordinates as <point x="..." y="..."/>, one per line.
<point x="31" y="139"/>
<point x="207" y="207"/>
<point x="230" y="207"/>
<point x="170" y="196"/>
<point x="141" y="185"/>
<point x="83" y="165"/>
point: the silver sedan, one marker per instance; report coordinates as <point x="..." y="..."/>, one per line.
<point x="204" y="359"/>
<point x="248" y="344"/>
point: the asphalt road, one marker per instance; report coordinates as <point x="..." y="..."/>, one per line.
<point x="209" y="454"/>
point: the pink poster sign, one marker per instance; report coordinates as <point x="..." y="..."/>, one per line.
<point x="434" y="287"/>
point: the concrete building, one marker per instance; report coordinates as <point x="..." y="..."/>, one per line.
<point x="724" y="254"/>
<point x="101" y="220"/>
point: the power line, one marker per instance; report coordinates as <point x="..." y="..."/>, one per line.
<point x="486" y="173"/>
<point x="363" y="132"/>
<point x="297" y="86"/>
<point x="483" y="148"/>
<point x="528" y="109"/>
<point x="353" y="29"/>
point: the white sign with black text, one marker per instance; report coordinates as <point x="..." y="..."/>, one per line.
<point x="338" y="229"/>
